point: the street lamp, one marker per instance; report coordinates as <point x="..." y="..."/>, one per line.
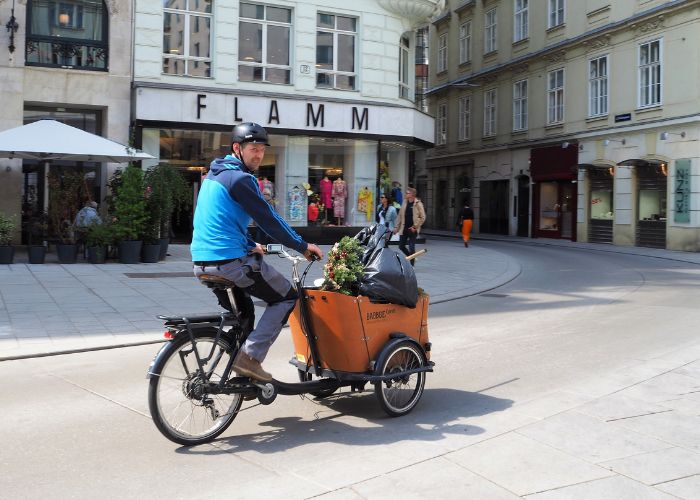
<point x="12" y="28"/>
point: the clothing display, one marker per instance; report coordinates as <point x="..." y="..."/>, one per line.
<point x="312" y="212"/>
<point x="397" y="194"/>
<point x="269" y="185"/>
<point x="340" y="193"/>
<point x="364" y="202"/>
<point x="296" y="203"/>
<point x="325" y="188"/>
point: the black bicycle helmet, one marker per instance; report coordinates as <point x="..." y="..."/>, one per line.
<point x="249" y="132"/>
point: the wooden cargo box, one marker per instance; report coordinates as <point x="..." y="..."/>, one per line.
<point x="351" y="331"/>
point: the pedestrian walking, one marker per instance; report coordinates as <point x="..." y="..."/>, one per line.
<point x="386" y="213"/>
<point x="465" y="222"/>
<point x="411" y="218"/>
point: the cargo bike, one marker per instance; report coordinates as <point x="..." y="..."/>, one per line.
<point x="339" y="341"/>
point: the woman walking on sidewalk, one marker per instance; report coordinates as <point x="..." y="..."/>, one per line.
<point x="465" y="222"/>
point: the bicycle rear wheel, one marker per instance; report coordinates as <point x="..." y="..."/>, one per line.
<point x="180" y="406"/>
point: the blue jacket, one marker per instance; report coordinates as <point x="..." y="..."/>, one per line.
<point x="228" y="199"/>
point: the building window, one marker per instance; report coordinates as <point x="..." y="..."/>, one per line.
<point x="520" y="105"/>
<point x="263" y="44"/>
<point x="441" y="125"/>
<point x="187" y="37"/>
<point x="598" y="86"/>
<point x="490" y="31"/>
<point x="465" y="42"/>
<point x="442" y="53"/>
<point x="555" y="96"/>
<point x="67" y="34"/>
<point x="522" y="24"/>
<point x="650" y="74"/>
<point x="490" y="113"/>
<point x="555" y="13"/>
<point x="404" y="89"/>
<point x="464" y="131"/>
<point x="335" y="51"/>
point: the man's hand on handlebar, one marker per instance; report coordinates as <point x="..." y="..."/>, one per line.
<point x="313" y="252"/>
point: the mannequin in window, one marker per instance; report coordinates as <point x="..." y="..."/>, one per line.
<point x="340" y="194"/>
<point x="364" y="202"/>
<point x="396" y="193"/>
<point x="326" y="188"/>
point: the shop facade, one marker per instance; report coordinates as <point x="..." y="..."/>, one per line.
<point x="333" y="84"/>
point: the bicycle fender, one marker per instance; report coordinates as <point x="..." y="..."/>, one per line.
<point x="159" y="355"/>
<point x="395" y="338"/>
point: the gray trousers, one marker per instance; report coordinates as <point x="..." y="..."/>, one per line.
<point x="252" y="275"/>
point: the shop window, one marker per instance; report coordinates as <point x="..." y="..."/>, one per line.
<point x="187" y="37"/>
<point x="652" y="204"/>
<point x="601" y="205"/>
<point x="70" y="35"/>
<point x="263" y="44"/>
<point x="549" y="206"/>
<point x="335" y="51"/>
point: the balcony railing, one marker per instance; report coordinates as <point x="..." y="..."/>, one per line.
<point x="55" y="52"/>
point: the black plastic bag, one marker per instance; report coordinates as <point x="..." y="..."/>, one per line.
<point x="388" y="275"/>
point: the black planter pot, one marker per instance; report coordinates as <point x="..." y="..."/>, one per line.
<point x="150" y="252"/>
<point x="67" y="253"/>
<point x="7" y="254"/>
<point x="36" y="253"/>
<point x="130" y="251"/>
<point x="163" y="248"/>
<point x="97" y="255"/>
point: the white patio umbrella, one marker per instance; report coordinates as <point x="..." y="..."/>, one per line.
<point x="52" y="140"/>
<point x="47" y="140"/>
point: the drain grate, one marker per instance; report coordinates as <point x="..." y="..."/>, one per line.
<point x="493" y="295"/>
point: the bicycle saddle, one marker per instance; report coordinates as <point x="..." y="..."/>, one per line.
<point x="214" y="281"/>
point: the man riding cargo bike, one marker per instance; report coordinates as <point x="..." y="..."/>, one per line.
<point x="339" y="340"/>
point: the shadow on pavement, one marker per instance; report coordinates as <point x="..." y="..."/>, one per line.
<point x="440" y="412"/>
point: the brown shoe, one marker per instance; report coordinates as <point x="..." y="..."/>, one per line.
<point x="250" y="367"/>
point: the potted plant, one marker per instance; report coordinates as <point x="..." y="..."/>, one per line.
<point x="168" y="194"/>
<point x="150" y="252"/>
<point x="36" y="227"/>
<point x="130" y="215"/>
<point x="98" y="236"/>
<point x="66" y="192"/>
<point x="7" y="228"/>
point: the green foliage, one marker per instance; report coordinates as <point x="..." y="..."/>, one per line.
<point x="37" y="225"/>
<point x="67" y="191"/>
<point x="99" y="234"/>
<point x="167" y="192"/>
<point x="384" y="179"/>
<point x="130" y="211"/>
<point x="344" y="268"/>
<point x="7" y="228"/>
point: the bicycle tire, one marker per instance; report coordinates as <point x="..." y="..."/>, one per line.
<point x="180" y="411"/>
<point x="398" y="396"/>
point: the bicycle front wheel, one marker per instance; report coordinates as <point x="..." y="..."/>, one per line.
<point x="180" y="406"/>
